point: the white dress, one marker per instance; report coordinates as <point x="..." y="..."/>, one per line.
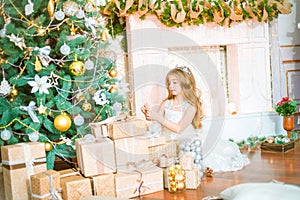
<point x="225" y="155"/>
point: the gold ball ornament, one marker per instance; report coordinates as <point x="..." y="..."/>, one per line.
<point x="77" y="68"/>
<point x="181" y="185"/>
<point x="86" y="106"/>
<point x="113" y="73"/>
<point x="14" y="92"/>
<point x="48" y="146"/>
<point x="62" y="122"/>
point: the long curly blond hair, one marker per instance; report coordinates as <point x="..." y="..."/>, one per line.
<point x="190" y="92"/>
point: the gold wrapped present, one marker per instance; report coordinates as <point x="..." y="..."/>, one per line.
<point x="133" y="183"/>
<point x="133" y="149"/>
<point x="75" y="187"/>
<point x="115" y="128"/>
<point x="95" y="158"/>
<point x="45" y="185"/>
<point x="127" y="128"/>
<point x="193" y="178"/>
<point x="104" y="185"/>
<point x="170" y="149"/>
<point x="20" y="161"/>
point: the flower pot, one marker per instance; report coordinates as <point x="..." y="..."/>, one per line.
<point x="288" y="124"/>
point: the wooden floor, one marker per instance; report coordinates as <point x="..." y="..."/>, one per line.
<point x="264" y="167"/>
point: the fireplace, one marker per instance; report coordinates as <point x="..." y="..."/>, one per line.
<point x="231" y="65"/>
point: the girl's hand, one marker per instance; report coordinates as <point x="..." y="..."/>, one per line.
<point x="146" y="111"/>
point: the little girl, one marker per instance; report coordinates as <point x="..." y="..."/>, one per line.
<point x="181" y="114"/>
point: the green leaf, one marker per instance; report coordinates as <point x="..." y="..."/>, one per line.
<point x="50" y="158"/>
<point x="50" y="127"/>
<point x="4" y="105"/>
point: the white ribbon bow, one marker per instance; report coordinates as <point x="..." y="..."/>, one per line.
<point x="44" y="53"/>
<point x="30" y="109"/>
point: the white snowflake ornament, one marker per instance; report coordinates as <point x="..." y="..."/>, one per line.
<point x="5" y="88"/>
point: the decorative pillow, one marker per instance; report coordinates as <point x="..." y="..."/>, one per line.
<point x="264" y="191"/>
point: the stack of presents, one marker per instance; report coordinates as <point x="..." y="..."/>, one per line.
<point x="120" y="159"/>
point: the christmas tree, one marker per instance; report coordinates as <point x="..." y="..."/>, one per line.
<point x="55" y="77"/>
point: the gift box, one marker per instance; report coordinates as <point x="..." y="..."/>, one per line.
<point x="104" y="185"/>
<point x="156" y="141"/>
<point x="20" y="161"/>
<point x="131" y="150"/>
<point x="133" y="183"/>
<point x="95" y="158"/>
<point x="170" y="149"/>
<point x="99" y="130"/>
<point x="187" y="161"/>
<point x="75" y="186"/>
<point x="127" y="128"/>
<point x="193" y="178"/>
<point x="45" y="185"/>
<point x="277" y="148"/>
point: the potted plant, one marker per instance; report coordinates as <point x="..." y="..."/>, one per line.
<point x="286" y="108"/>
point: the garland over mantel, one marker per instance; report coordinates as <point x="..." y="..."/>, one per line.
<point x="194" y="12"/>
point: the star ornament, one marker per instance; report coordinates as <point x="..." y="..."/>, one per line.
<point x="18" y="41"/>
<point x="40" y="84"/>
<point x="42" y="109"/>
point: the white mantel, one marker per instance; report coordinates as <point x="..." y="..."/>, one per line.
<point x="150" y="45"/>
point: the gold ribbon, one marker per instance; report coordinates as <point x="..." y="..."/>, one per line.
<point x="284" y="7"/>
<point x="177" y="16"/>
<point x="128" y="4"/>
<point x="143" y="3"/>
<point x="198" y="8"/>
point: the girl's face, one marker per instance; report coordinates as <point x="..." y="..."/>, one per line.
<point x="173" y="85"/>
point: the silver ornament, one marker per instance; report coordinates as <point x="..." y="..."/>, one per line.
<point x="192" y="147"/>
<point x="65" y="49"/>
<point x="89" y="138"/>
<point x="33" y="137"/>
<point x="197" y="161"/>
<point x="198" y="157"/>
<point x="3" y="33"/>
<point x="80" y="14"/>
<point x="89" y="65"/>
<point x="59" y="15"/>
<point x="5" y="134"/>
<point x="187" y="149"/>
<point x="197" y="142"/>
<point x="78" y="120"/>
<point x="198" y="149"/>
